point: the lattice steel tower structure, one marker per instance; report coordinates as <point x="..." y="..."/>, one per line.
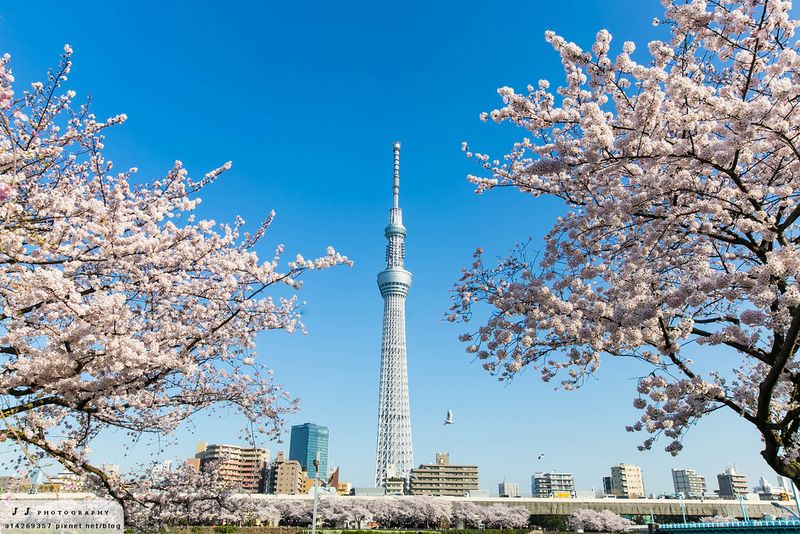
<point x="394" y="452"/>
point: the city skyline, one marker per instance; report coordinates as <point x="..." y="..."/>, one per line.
<point x="750" y="482"/>
<point x="381" y="93"/>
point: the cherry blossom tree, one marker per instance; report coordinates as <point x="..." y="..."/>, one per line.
<point x="187" y="496"/>
<point x="679" y="169"/>
<point x="411" y="512"/>
<point x="593" y="521"/>
<point x="502" y="516"/>
<point x="432" y="512"/>
<point x="495" y="516"/>
<point x="119" y="307"/>
<point x="467" y="514"/>
<point x="358" y="512"/>
<point x="295" y="512"/>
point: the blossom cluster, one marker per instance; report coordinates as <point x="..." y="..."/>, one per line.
<point x="594" y="521"/>
<point x="119" y="307"/>
<point x="679" y="169"/>
<point x="189" y="496"/>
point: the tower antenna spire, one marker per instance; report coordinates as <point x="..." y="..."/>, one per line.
<point x="394" y="458"/>
<point x="396" y="186"/>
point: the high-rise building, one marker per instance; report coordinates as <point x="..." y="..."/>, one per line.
<point x="394" y="454"/>
<point x="444" y="478"/>
<point x="607" y="486"/>
<point x="238" y="468"/>
<point x="553" y="484"/>
<point x="688" y="482"/>
<point x="731" y="484"/>
<point x="626" y="481"/>
<point x="306" y="441"/>
<point x="508" y="489"/>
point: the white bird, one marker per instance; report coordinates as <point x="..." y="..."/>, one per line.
<point x="449" y="420"/>
<point x="540" y="456"/>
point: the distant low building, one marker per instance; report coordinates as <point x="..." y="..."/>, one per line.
<point x="344" y="488"/>
<point x="396" y="486"/>
<point x="508" y="489"/>
<point x="368" y="492"/>
<point x="768" y="492"/>
<point x="285" y="477"/>
<point x="306" y="483"/>
<point x="443" y="478"/>
<point x="731" y="484"/>
<point x="12" y="484"/>
<point x="67" y="481"/>
<point x="688" y="482"/>
<point x="555" y="484"/>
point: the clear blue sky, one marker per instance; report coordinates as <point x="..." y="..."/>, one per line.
<point x="306" y="98"/>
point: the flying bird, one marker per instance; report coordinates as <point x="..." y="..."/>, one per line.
<point x="540" y="456"/>
<point x="449" y="420"/>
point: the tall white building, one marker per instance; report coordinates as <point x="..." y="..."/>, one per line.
<point x="553" y="484"/>
<point x="626" y="481"/>
<point x="394" y="457"/>
<point x="688" y="482"/>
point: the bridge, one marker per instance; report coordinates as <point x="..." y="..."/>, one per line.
<point x="738" y="527"/>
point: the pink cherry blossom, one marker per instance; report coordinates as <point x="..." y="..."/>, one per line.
<point x="679" y="171"/>
<point x="6" y="191"/>
<point x="593" y="521"/>
<point x="119" y="308"/>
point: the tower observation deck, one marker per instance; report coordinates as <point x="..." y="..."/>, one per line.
<point x="394" y="456"/>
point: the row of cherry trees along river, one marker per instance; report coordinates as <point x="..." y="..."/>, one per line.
<point x="186" y="496"/>
<point x="680" y="178"/>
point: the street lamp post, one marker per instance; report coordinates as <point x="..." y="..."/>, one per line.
<point x="786" y="509"/>
<point x="316" y="495"/>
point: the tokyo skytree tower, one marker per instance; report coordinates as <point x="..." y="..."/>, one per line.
<point x="394" y="455"/>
